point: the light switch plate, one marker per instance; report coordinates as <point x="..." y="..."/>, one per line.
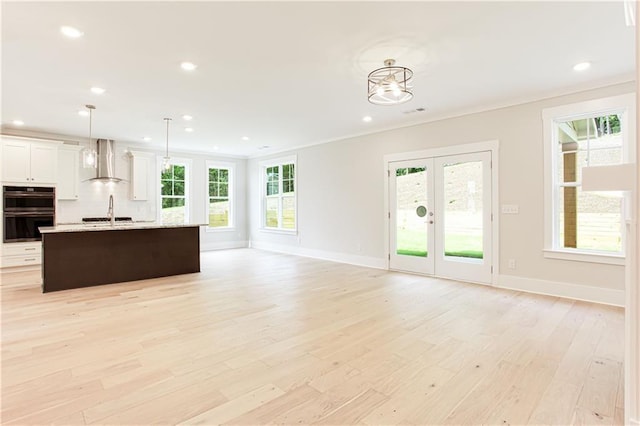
<point x="509" y="209"/>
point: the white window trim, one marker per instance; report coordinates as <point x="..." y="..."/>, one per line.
<point x="290" y="159"/>
<point x="625" y="103"/>
<point x="187" y="162"/>
<point x="211" y="164"/>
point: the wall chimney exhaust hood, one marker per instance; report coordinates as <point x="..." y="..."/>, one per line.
<point x="106" y="162"/>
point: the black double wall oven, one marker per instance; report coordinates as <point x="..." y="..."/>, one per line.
<point x="25" y="209"/>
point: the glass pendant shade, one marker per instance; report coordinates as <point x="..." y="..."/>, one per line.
<point x="166" y="163"/>
<point x="89" y="158"/>
<point x="89" y="154"/>
<point x="390" y="85"/>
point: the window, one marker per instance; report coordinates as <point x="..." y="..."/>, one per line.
<point x="279" y="194"/>
<point x="595" y="133"/>
<point x="220" y="194"/>
<point x="173" y="195"/>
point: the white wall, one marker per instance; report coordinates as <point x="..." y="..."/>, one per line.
<point x="94" y="196"/>
<point x="341" y="211"/>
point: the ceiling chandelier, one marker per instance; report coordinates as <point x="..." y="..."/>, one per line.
<point x="89" y="155"/>
<point x="390" y="85"/>
<point x="166" y="164"/>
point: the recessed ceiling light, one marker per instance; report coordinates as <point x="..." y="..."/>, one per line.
<point x="18" y="123"/>
<point x="245" y="138"/>
<point x="187" y="117"/>
<point x="367" y="118"/>
<point x="582" y="66"/>
<point x="188" y="66"/>
<point x="71" y="32"/>
<point x="146" y="138"/>
<point x="215" y="148"/>
<point x="98" y="90"/>
<point x="83" y="113"/>
<point x="188" y="129"/>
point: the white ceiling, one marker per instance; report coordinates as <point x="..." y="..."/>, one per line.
<point x="289" y="74"/>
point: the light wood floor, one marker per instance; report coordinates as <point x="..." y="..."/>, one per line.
<point x="259" y="337"/>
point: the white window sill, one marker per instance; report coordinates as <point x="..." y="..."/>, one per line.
<point x="280" y="231"/>
<point x="611" y="259"/>
<point x="220" y="229"/>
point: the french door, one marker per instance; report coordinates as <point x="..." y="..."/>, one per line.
<point x="440" y="216"/>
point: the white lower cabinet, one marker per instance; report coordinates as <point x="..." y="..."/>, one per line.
<point x="21" y="254"/>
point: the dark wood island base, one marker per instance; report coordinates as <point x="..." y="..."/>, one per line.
<point x="112" y="255"/>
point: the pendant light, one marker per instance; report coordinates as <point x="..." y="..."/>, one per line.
<point x="390" y="85"/>
<point x="89" y="155"/>
<point x="166" y="164"/>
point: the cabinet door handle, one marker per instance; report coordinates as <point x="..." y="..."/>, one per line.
<point x="29" y="260"/>
<point x="30" y="248"/>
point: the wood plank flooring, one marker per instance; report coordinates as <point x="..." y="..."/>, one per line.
<point x="260" y="337"/>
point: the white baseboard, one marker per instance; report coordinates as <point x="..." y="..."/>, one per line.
<point x="601" y="295"/>
<point x="352" y="259"/>
<point x="221" y="245"/>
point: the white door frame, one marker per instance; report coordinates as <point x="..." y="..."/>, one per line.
<point x="491" y="146"/>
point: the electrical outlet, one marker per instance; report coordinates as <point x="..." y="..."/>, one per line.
<point x="511" y="264"/>
<point x="509" y="209"/>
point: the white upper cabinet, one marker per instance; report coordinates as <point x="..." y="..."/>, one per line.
<point x="140" y="167"/>
<point x="16" y="161"/>
<point x="29" y="161"/>
<point x="68" y="172"/>
<point x="44" y="163"/>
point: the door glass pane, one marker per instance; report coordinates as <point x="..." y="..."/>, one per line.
<point x="463" y="210"/>
<point x="411" y="211"/>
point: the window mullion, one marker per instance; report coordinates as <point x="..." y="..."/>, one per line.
<point x="281" y="188"/>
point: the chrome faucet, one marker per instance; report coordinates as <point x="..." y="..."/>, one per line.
<point x="110" y="214"/>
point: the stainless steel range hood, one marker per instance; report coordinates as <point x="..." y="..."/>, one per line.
<point x="106" y="162"/>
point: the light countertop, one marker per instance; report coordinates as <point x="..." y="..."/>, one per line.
<point x="106" y="226"/>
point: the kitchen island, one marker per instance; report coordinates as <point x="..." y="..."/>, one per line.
<point x="75" y="256"/>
